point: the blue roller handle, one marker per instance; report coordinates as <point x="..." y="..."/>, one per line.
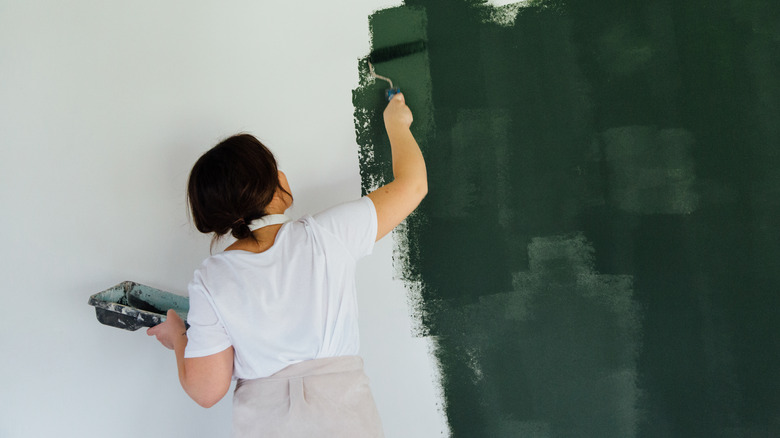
<point x="390" y="92"/>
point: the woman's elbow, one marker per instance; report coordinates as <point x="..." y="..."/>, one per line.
<point x="207" y="395"/>
<point x="412" y="192"/>
<point x="423" y="189"/>
<point x="419" y="189"/>
<point x="206" y="400"/>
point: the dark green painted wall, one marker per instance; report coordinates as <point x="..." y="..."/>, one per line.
<point x="599" y="252"/>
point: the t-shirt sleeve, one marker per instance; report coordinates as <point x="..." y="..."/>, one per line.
<point x="207" y="334"/>
<point x="354" y="223"/>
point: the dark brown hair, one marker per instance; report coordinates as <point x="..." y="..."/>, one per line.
<point x="231" y="185"/>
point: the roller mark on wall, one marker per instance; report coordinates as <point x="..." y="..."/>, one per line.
<point x="471" y="183"/>
<point x="411" y="73"/>
<point x="570" y="337"/>
<point x="651" y="170"/>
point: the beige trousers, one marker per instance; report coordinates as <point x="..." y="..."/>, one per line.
<point x="316" y="398"/>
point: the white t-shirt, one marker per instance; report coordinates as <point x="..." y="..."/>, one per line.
<point x="293" y="302"/>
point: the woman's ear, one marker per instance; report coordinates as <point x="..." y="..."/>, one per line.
<point x="283" y="191"/>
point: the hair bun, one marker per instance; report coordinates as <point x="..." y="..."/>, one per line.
<point x="240" y="229"/>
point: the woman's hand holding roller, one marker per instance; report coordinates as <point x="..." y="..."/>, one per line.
<point x="397" y="115"/>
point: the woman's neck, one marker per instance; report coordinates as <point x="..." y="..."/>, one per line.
<point x="263" y="238"/>
<point x="260" y="241"/>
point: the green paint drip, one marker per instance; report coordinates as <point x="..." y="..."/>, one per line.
<point x="598" y="252"/>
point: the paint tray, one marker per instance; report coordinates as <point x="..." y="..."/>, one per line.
<point x="131" y="305"/>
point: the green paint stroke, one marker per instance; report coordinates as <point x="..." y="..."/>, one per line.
<point x="651" y="170"/>
<point x="598" y="252"/>
<point x="557" y="353"/>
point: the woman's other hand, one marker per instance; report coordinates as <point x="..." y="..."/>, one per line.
<point x="169" y="331"/>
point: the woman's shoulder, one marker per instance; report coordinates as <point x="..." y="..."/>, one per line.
<point x="358" y="210"/>
<point x="353" y="223"/>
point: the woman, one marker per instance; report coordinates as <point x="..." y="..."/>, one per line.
<point x="277" y="309"/>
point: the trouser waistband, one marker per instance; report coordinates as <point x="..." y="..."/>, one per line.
<point x="313" y="367"/>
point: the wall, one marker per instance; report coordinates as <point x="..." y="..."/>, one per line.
<point x="104" y="107"/>
<point x="598" y="252"/>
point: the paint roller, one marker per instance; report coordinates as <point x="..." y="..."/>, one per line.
<point x="389" y="53"/>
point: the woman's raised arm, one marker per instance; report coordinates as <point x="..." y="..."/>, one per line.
<point x="396" y="200"/>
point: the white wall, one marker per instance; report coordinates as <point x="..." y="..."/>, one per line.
<point x="104" y="107"/>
